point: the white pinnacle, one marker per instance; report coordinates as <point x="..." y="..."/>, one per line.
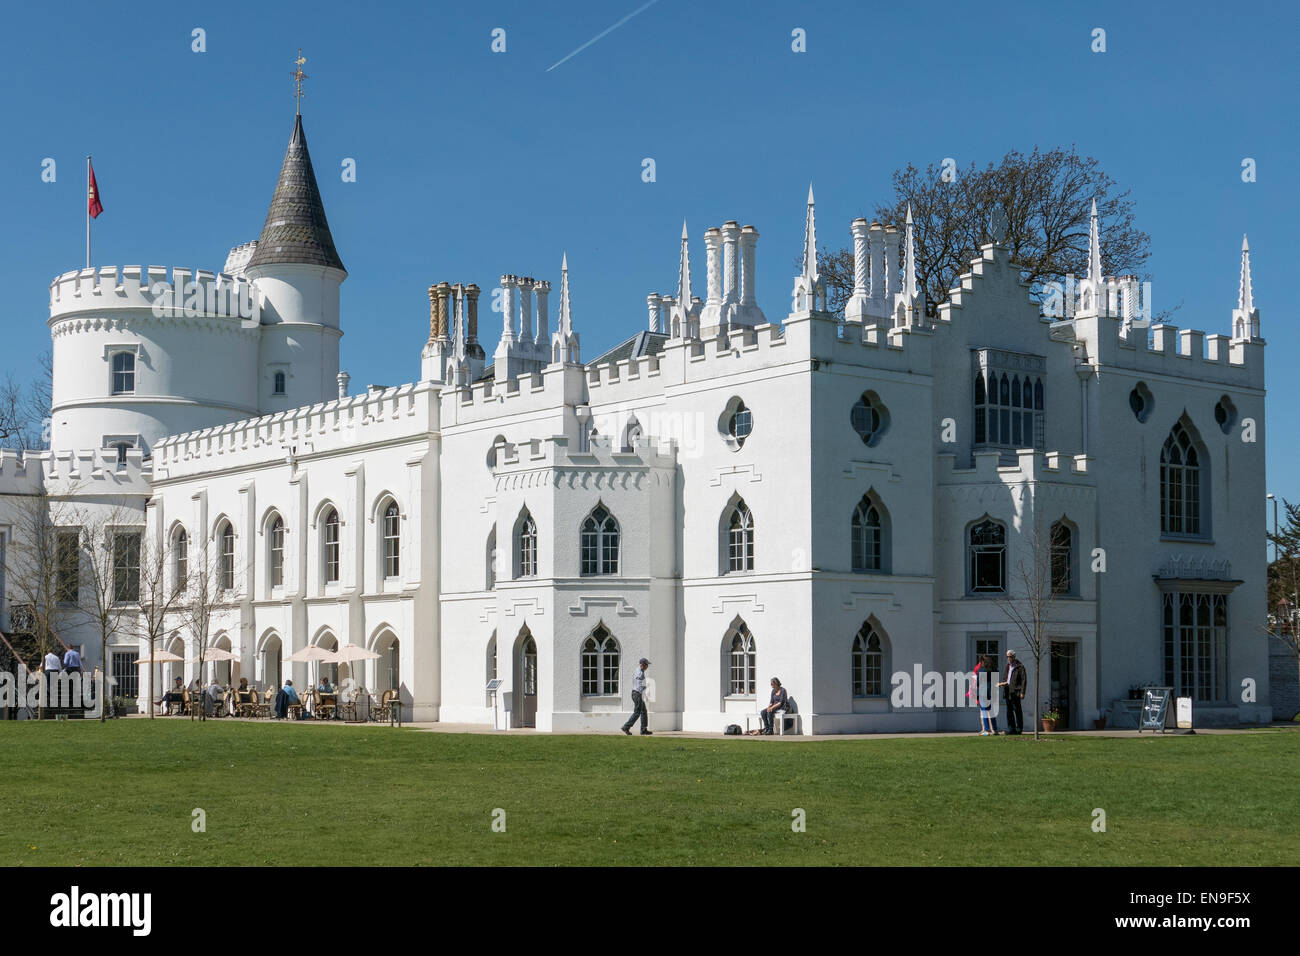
<point x="1245" y="298"/>
<point x="909" y="259"/>
<point x="810" y="242"/>
<point x="1094" y="246"/>
<point x="565" y="320"/>
<point x="684" y="274"/>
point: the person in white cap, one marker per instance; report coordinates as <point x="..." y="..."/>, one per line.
<point x="638" y="700"/>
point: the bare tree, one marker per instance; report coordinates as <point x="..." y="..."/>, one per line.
<point x="111" y="542"/>
<point x="164" y="579"/>
<point x="1047" y="198"/>
<point x="1284" y="582"/>
<point x="42" y="564"/>
<point x="25" y="408"/>
<point x="1029" y="600"/>
<point x="208" y="588"/>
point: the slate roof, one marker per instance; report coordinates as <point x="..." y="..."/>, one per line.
<point x="296" y="229"/>
<point x="641" y="344"/>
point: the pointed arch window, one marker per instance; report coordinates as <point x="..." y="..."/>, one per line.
<point x="492" y="558"/>
<point x="392" y="540"/>
<point x="180" y="560"/>
<point x="868" y="663"/>
<point x="330" y="551"/>
<point x="868" y="536"/>
<point x="600" y="541"/>
<point x="742" y="658"/>
<point x="740" y="538"/>
<point x="600" y="664"/>
<point x="226" y="557"/>
<point x="1180" y="484"/>
<point x="527" y="546"/>
<point x="275" y="551"/>
<point x="1062" y="548"/>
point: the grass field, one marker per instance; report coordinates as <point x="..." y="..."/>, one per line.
<point x="123" y="793"/>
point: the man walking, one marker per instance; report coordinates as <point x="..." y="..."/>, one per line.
<point x="638" y="700"/>
<point x="1013" y="691"/>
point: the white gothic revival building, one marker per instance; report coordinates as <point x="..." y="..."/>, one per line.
<point x="730" y="494"/>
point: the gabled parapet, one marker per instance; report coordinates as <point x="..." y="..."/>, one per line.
<point x="178" y="292"/>
<point x="379" y="414"/>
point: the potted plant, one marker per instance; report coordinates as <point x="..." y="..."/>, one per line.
<point x="1099" y="723"/>
<point x="1049" y="716"/>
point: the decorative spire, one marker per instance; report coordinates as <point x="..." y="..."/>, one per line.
<point x="1245" y="299"/>
<point x="296" y="230"/>
<point x="684" y="273"/>
<point x="810" y="241"/>
<point x="1094" y="248"/>
<point x="909" y="258"/>
<point x="565" y="321"/>
<point x="458" y="320"/>
<point x="298" y="76"/>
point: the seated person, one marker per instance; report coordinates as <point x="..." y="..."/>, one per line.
<point x="325" y="687"/>
<point x="778" y="702"/>
<point x="214" y="693"/>
<point x="175" y="696"/>
<point x="244" y="693"/>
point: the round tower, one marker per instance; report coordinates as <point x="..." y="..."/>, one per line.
<point x="144" y="353"/>
<point x="297" y="273"/>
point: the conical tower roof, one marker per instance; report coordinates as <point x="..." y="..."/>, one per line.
<point x="296" y="229"/>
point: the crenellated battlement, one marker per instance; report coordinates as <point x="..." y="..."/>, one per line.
<point x="82" y="472"/>
<point x="1030" y="465"/>
<point x="1189" y="353"/>
<point x="178" y="291"/>
<point x="383" y="414"/>
<point x="602" y="454"/>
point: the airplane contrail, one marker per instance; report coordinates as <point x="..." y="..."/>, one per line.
<point x="604" y="33"/>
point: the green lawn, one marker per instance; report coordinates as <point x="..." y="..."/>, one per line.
<point x="83" y="793"/>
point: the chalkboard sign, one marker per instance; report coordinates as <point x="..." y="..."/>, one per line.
<point x="1154" y="708"/>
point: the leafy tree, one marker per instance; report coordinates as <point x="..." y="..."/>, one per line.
<point x="1047" y="197"/>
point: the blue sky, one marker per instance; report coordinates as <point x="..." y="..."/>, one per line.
<point x="472" y="163"/>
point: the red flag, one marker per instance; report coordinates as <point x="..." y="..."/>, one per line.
<point x="93" y="206"/>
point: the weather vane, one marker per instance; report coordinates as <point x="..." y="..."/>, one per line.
<point x="299" y="76"/>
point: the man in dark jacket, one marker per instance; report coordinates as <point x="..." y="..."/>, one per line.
<point x="1013" y="691"/>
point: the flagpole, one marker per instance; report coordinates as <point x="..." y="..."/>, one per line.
<point x="87" y="211"/>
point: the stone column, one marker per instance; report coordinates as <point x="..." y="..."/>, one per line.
<point x="748" y="247"/>
<point x="444" y="293"/>
<point x="433" y="312"/>
<point x="856" y="308"/>
<point x="526" y="309"/>
<point x="655" y="304"/>
<point x="713" y="266"/>
<point x="892" y="262"/>
<point x="876" y="242"/>
<point x="508" y="284"/>
<point x="543" y="318"/>
<point x="343" y="378"/>
<point x="730" y="262"/>
<point x="471" y="317"/>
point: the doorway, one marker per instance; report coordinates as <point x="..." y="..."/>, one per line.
<point x="1064" y="654"/>
<point x="525" y="681"/>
